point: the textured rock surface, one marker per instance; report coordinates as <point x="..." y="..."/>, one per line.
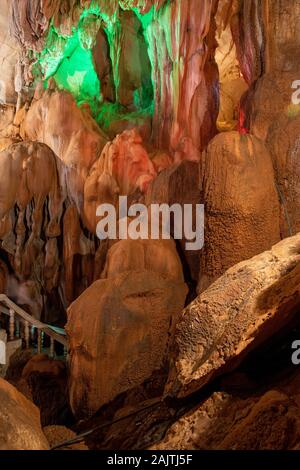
<point x="270" y="100"/>
<point x="9" y="55"/>
<point x="243" y="308"/>
<point x="123" y="167"/>
<point x="158" y="256"/>
<point x="70" y="132"/>
<point x="268" y="421"/>
<point x="30" y="179"/>
<point x="179" y="184"/>
<point x="181" y="122"/>
<point x="284" y="143"/>
<point x="76" y="74"/>
<point x="135" y="309"/>
<point x="19" y="421"/>
<point x="58" y="434"/>
<point x="241" y="203"/>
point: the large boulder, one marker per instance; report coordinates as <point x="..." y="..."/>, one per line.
<point x="20" y="427"/>
<point x="241" y="203"/>
<point x="119" y="333"/>
<point x="248" y="304"/>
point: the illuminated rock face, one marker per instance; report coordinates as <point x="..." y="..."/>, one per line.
<point x="9" y="54"/>
<point x="249" y="303"/>
<point x="70" y="132"/>
<point x="123" y="167"/>
<point x="125" y="98"/>
<point x="241" y="203"/>
<point x="138" y="309"/>
<point x="19" y="421"/>
<point x="184" y="94"/>
<point x="30" y="179"/>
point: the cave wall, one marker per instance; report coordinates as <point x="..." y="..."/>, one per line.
<point x="121" y="98"/>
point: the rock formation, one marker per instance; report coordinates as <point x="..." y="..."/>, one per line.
<point x="241" y="203"/>
<point x="148" y="304"/>
<point x="244" y="307"/>
<point x="178" y="103"/>
<point x="226" y="422"/>
<point x="19" y="421"/>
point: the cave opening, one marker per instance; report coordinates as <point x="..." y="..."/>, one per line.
<point x="104" y="63"/>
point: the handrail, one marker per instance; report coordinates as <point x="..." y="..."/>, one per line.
<point x="59" y="337"/>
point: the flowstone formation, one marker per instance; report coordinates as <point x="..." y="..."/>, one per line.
<point x="160" y="102"/>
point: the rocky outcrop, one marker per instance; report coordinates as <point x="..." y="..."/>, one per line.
<point x="268" y="421"/>
<point x="29" y="177"/>
<point x="123" y="167"/>
<point x="273" y="116"/>
<point x="241" y="203"/>
<point x="56" y="120"/>
<point x="247" y="305"/>
<point x="137" y="309"/>
<point x="19" y="421"/>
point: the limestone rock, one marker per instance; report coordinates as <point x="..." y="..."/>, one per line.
<point x="9" y="55"/>
<point x="270" y="100"/>
<point x="241" y="203"/>
<point x="186" y="101"/>
<point x="20" y="427"/>
<point x="47" y="382"/>
<point x="226" y="422"/>
<point x="58" y="434"/>
<point x="158" y="256"/>
<point x="137" y="310"/>
<point x="284" y="143"/>
<point x="123" y="167"/>
<point x="179" y="184"/>
<point x="248" y="304"/>
<point x="70" y="132"/>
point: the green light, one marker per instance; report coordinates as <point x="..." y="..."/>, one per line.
<point x="69" y="60"/>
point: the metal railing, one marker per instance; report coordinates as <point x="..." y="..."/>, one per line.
<point x="22" y="324"/>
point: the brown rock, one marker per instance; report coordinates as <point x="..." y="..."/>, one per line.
<point x="241" y="203"/>
<point x="47" y="382"/>
<point x="9" y="54"/>
<point x="70" y="132"/>
<point x="224" y="422"/>
<point x="44" y="365"/>
<point x="158" y="256"/>
<point x="271" y="100"/>
<point x="123" y="167"/>
<point x="284" y="144"/>
<point x="247" y="305"/>
<point x="76" y="249"/>
<point x="186" y="103"/>
<point x="59" y="434"/>
<point x="179" y="184"/>
<point x="19" y="421"/>
<point x="135" y="309"/>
